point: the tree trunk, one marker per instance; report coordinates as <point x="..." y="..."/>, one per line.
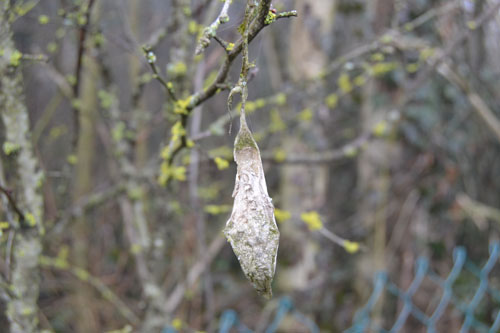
<point x="22" y="309"/>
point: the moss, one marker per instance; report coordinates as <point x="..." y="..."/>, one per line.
<point x="244" y="139"/>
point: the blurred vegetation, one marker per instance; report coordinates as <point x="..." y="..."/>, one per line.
<point x="377" y="121"/>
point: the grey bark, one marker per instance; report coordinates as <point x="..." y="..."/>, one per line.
<point x="22" y="297"/>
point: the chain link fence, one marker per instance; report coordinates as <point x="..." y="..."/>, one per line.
<point x="449" y="297"/>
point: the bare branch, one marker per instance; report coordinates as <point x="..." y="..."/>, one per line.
<point x="83" y="275"/>
<point x="211" y="31"/>
<point x="478" y="104"/>
<point x="194" y="274"/>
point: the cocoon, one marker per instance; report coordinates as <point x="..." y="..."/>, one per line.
<point x="252" y="229"/>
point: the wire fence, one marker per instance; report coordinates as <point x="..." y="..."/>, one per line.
<point x="363" y="321"/>
<point x="367" y="319"/>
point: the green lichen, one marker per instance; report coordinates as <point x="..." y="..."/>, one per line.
<point x="10" y="147"/>
<point x="30" y="219"/>
<point x="244" y="139"/>
<point x="270" y="18"/>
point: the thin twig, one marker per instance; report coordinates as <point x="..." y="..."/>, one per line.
<point x="478" y="104"/>
<point x="194" y="273"/>
<point x="151" y="58"/>
<point x="83" y="275"/>
<point x="211" y="31"/>
<point x="12" y="202"/>
<point x="478" y="211"/>
<point x="338" y="240"/>
<point x="430" y="14"/>
<point x="486" y="16"/>
<point x="202" y="95"/>
<point x="78" y="69"/>
<point x="85" y="204"/>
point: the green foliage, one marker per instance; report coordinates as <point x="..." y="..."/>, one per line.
<point x="99" y="39"/>
<point x="30" y="219"/>
<point x="105" y="98"/>
<point x="177" y="69"/>
<point x="380" y="129"/>
<point x="217" y="209"/>
<point x="209" y="192"/>
<point x="81" y="274"/>
<point x="351" y="247"/>
<point x="277" y="123"/>
<point x="221" y="163"/>
<point x="412" y="68"/>
<point x="332" y="100"/>
<point x="135" y="193"/>
<point x="187" y="11"/>
<point x="222" y="151"/>
<point x="168" y="172"/>
<point x="181" y="106"/>
<point x="280" y="99"/>
<point x="279" y="155"/>
<point x="194" y="28"/>
<point x="377" y="57"/>
<point x="426" y="53"/>
<point x="72" y="159"/>
<point x="382" y="68"/>
<point x="21" y="8"/>
<point x="118" y="131"/>
<point x="71" y="79"/>
<point x="312" y="220"/>
<point x="4" y="225"/>
<point x="15" y="58"/>
<point x="344" y="83"/>
<point x="43" y="19"/>
<point x="136" y="248"/>
<point x="305" y="115"/>
<point x="282" y="215"/>
<point x="350" y="151"/>
<point x="177" y="323"/>
<point x="52" y="47"/>
<point x="360" y="80"/>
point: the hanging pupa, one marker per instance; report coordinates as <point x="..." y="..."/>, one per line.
<point x="252" y="229"/>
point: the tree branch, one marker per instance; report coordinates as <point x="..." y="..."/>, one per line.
<point x="12" y="202"/>
<point x="194" y="274"/>
<point x="199" y="97"/>
<point x="78" y="68"/>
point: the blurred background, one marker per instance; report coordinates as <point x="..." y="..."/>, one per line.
<point x="379" y="127"/>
